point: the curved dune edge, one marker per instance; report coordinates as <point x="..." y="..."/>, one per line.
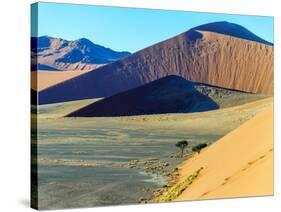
<point x="238" y="165"/>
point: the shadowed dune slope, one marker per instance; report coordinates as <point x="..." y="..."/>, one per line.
<point x="226" y="60"/>
<point x="171" y="94"/>
<point x="232" y="29"/>
<point x="239" y="164"/>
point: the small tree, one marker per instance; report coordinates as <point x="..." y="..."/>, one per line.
<point x="199" y="147"/>
<point x="182" y="145"/>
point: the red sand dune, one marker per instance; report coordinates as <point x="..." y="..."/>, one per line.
<point x="201" y="56"/>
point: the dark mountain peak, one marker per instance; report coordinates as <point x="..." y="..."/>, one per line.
<point x="40" y="42"/>
<point x="44" y="42"/>
<point x="46" y="37"/>
<point x="85" y="51"/>
<point x="83" y="42"/>
<point x="235" y="30"/>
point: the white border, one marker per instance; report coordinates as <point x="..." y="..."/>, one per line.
<point x="14" y="180"/>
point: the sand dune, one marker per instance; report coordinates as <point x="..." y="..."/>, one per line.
<point x="239" y="164"/>
<point x="60" y="110"/>
<point x="223" y="60"/>
<point x="41" y="80"/>
<point x="171" y="94"/>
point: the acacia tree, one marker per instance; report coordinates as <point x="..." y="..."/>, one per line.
<point x="182" y="145"/>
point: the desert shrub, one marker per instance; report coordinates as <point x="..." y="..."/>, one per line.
<point x="182" y="145"/>
<point x="199" y="147"/>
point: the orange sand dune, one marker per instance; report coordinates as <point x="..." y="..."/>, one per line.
<point x="198" y="55"/>
<point x="239" y="164"/>
<point x="41" y="80"/>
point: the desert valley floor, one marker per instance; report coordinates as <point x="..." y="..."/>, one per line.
<point x="106" y="161"/>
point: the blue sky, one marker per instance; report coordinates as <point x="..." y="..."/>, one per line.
<point x="129" y="29"/>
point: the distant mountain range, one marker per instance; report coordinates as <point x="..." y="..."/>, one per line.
<point x="220" y="54"/>
<point x="49" y="53"/>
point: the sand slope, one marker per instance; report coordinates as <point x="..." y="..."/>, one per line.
<point x="239" y="164"/>
<point x="41" y="80"/>
<point x="60" y="110"/>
